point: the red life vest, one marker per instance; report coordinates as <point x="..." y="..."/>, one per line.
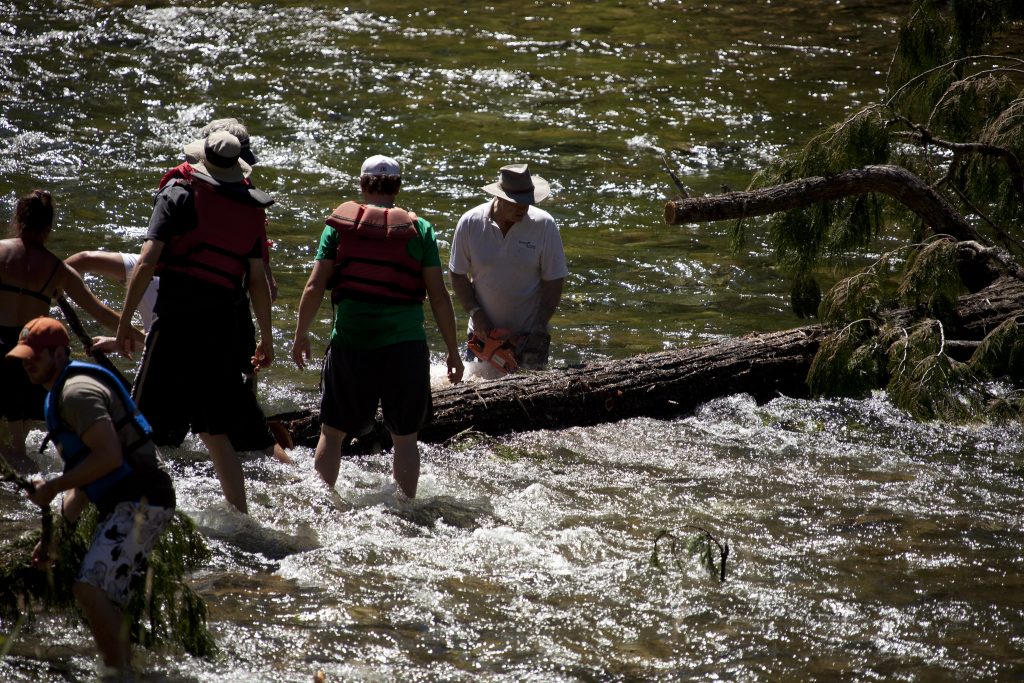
<point x="182" y="171"/>
<point x="228" y="224"/>
<point x="372" y="262"/>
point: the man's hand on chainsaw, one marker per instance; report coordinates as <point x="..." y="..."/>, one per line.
<point x="533" y="353"/>
<point x="482" y="325"/>
<point x="498" y="349"/>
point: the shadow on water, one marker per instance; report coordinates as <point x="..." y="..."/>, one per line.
<point x="229" y="528"/>
<point x="444" y="509"/>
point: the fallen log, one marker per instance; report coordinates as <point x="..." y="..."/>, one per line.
<point x="894" y="181"/>
<point x="660" y="385"/>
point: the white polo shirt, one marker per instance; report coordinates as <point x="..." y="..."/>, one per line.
<point x="506" y="270"/>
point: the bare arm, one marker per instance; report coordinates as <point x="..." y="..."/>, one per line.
<point x="75" y="286"/>
<point x="271" y="280"/>
<point x="259" y="293"/>
<point x="73" y="505"/>
<point x="104" y="457"/>
<point x="550" y="295"/>
<point x="466" y="295"/>
<point x="141" y="277"/>
<point x="444" y="316"/>
<point x="106" y="263"/>
<point x="309" y="304"/>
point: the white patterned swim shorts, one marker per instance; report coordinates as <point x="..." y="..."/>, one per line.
<point x="120" y="547"/>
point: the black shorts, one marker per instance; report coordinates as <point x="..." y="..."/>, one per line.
<point x="251" y="432"/>
<point x="189" y="378"/>
<point x="246" y="336"/>
<point x="396" y="377"/>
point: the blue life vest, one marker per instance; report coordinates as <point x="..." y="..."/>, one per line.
<point x="71" y="447"/>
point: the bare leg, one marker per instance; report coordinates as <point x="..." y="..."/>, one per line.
<point x="229" y="468"/>
<point x="406" y="469"/>
<point x="14" y="450"/>
<point x="107" y="624"/>
<point x="327" y="457"/>
<point x="278" y="453"/>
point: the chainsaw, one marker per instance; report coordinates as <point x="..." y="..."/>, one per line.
<point x="501" y="349"/>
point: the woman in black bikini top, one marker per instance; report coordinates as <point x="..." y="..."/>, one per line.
<point x="31" y="277"/>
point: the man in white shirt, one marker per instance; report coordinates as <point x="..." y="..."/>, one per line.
<point x="507" y="265"/>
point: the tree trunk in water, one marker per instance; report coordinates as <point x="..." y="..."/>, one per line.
<point x="895" y="181"/>
<point x="661" y="385"/>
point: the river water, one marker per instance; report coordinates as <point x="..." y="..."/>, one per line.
<point x="864" y="546"/>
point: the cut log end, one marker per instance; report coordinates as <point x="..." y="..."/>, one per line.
<point x="670" y="213"/>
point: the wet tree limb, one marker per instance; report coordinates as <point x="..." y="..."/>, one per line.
<point x="894" y="181"/>
<point x="924" y="137"/>
<point x="75" y="323"/>
<point x="46" y="517"/>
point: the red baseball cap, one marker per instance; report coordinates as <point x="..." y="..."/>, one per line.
<point x="41" y="333"/>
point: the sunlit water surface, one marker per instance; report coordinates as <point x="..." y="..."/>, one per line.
<point x="863" y="545"/>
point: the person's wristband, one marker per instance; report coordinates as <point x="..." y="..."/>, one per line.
<point x="473" y="311"/>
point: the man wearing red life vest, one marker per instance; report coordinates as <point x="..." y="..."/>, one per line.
<point x="380" y="262"/>
<point x="205" y="240"/>
<point x="252" y="433"/>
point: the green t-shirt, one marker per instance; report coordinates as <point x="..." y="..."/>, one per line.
<point x="364" y="325"/>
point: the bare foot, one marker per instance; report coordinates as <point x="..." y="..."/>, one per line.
<point x="282" y="455"/>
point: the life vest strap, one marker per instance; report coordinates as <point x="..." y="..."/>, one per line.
<point x="345" y="260"/>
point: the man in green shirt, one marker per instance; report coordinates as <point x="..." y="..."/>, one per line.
<point x="380" y="263"/>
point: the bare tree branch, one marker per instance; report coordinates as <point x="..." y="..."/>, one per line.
<point x="894" y="181"/>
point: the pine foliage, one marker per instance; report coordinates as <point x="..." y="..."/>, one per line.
<point x="805" y="236"/>
<point x="869" y="351"/>
<point x="1001" y="353"/>
<point x="925" y="381"/>
<point x="849" y="363"/>
<point x="164" y="610"/>
<point x="858" y="296"/>
<point x="953" y="115"/>
<point x="932" y="281"/>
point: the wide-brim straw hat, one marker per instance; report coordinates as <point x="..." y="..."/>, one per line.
<point x="515" y="184"/>
<point x="218" y="157"/>
<point x="236" y="128"/>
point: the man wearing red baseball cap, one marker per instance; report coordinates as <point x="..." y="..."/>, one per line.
<point x="109" y="461"/>
<point x="39" y="335"/>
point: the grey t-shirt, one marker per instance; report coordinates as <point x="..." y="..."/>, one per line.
<point x="86" y="401"/>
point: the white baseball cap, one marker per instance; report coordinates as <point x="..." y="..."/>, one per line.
<point x="379" y="164"/>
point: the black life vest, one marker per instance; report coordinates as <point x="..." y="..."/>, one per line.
<point x="372" y="262"/>
<point x="230" y="219"/>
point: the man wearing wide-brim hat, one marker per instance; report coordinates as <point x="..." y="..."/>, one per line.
<point x="507" y="266"/>
<point x="254" y="434"/>
<point x="206" y="241"/>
